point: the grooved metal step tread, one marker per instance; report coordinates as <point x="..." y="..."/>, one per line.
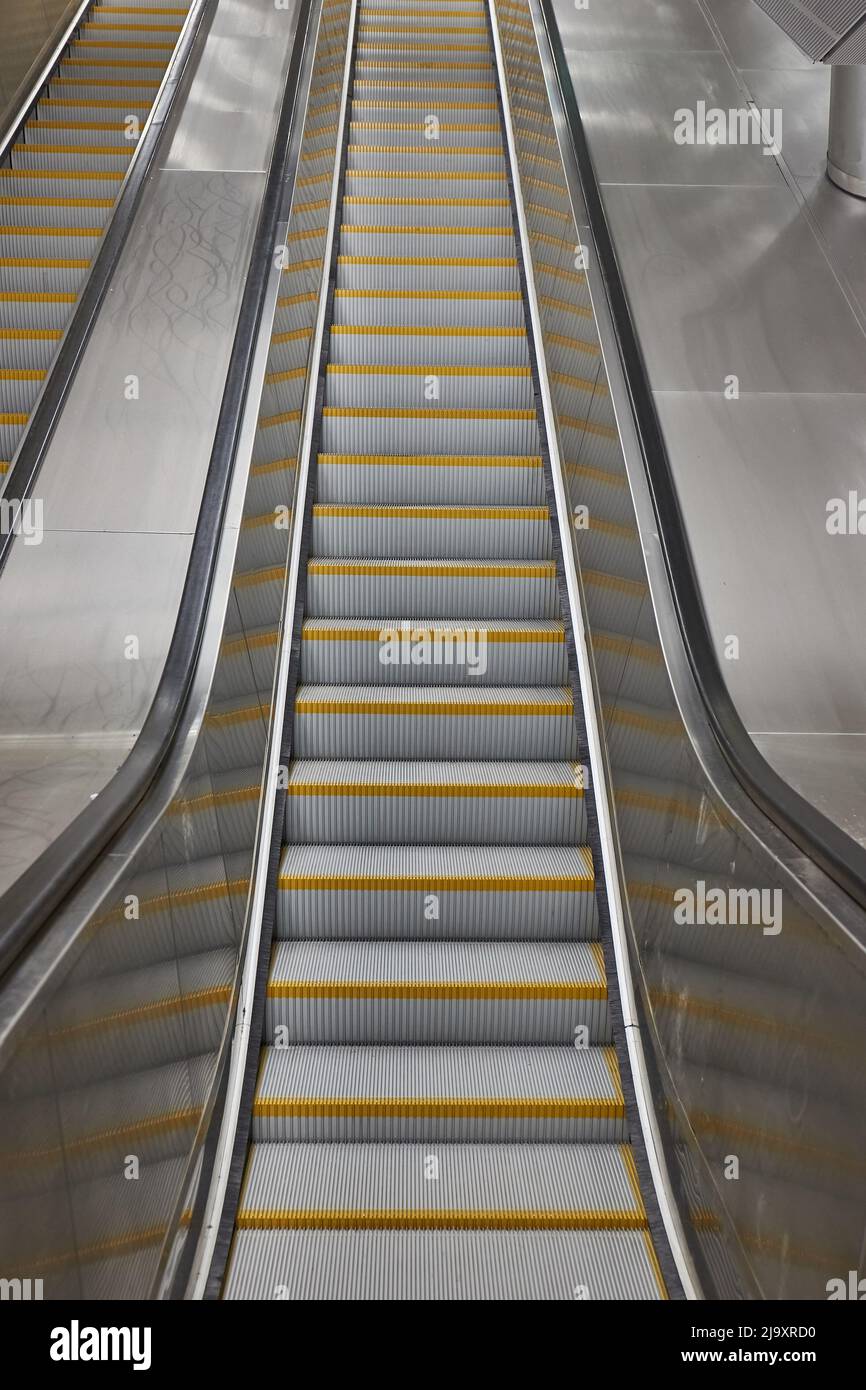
<point x="458" y="1186"/>
<point x="438" y="1083"/>
<point x="448" y="1265"/>
<point x="372" y="629"/>
<point x="373" y="777"/>
<point x="538" y="701"/>
<point x="467" y="867"/>
<point x="429" y="969"/>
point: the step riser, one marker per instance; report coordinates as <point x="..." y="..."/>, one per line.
<point x="425" y="310"/>
<point x="423" y="820"/>
<point x="545" y="737"/>
<point x="424" y="1021"/>
<point x="396" y="483"/>
<point x="428" y="432"/>
<point x="479" y="348"/>
<point x="397" y="1128"/>
<point x="335" y="914"/>
<point x="404" y="596"/>
<point x="504" y="663"/>
<point x="406" y="391"/>
<point x="431" y="536"/>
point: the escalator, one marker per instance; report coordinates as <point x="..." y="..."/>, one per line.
<point x="59" y="187"/>
<point x="354" y="991"/>
<point x="439" y="1109"/>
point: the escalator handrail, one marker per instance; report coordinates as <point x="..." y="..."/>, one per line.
<point x="839" y="856"/>
<point x="28" y="905"/>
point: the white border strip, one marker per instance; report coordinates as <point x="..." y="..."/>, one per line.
<point x="634" y="1041"/>
<point x="241" y="1039"/>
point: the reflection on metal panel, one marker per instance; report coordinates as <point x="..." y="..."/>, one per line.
<point x="101" y="1106"/>
<point x="753" y="1004"/>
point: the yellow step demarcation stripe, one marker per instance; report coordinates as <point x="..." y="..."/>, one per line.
<point x="373" y="634"/>
<point x="125" y="151"/>
<point x="91" y="29"/>
<point x="427" y="461"/>
<point x="381" y="1219"/>
<point x="51" y="231"/>
<point x="21" y="374"/>
<point x="373" y="46"/>
<point x="45" y="202"/>
<point x="381" y="230"/>
<point x="133" y="64"/>
<point x="432" y="148"/>
<point x="444" y="791"/>
<point x="369" y="65"/>
<point x="501" y="262"/>
<point x="461" y="127"/>
<point x="436" y="708"/>
<point x="476" y="296"/>
<point x="482" y="570"/>
<point x="13" y="418"/>
<point x="130" y="45"/>
<point x="394" y="412"/>
<point x="368" y="26"/>
<point x="385" y="369"/>
<point x="429" y="331"/>
<point x="4" y="466"/>
<point x="35" y="297"/>
<point x="436" y="883"/>
<point x="381" y="201"/>
<point x="360" y="102"/>
<point x="439" y="512"/>
<point x="500" y="1108"/>
<point x="41" y="263"/>
<point x="131" y="108"/>
<point x="590" y="990"/>
<point x="403" y="174"/>
<point x="38" y="334"/>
